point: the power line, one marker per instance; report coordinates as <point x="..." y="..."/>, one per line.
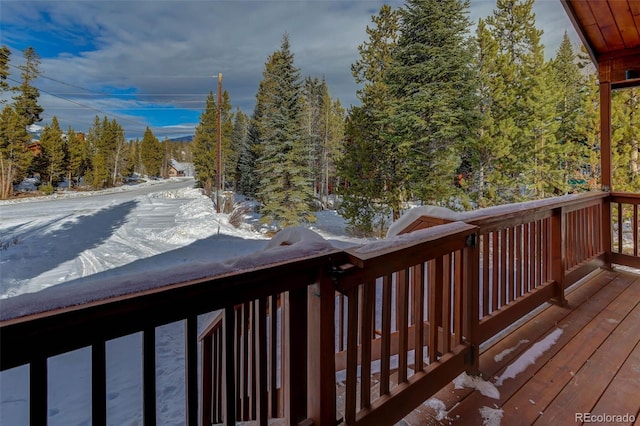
<point x="83" y="106"/>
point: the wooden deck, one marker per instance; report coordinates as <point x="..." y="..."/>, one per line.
<point x="593" y="367"/>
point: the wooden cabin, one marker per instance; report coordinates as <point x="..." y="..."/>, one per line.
<point x="530" y="300"/>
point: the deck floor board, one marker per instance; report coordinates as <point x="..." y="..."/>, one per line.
<point x="592" y="367"/>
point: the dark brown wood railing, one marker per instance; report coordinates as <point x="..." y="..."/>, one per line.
<point x="530" y="256"/>
<point x="625" y="229"/>
<point x="530" y="252"/>
<point x="410" y="313"/>
<point x="426" y="279"/>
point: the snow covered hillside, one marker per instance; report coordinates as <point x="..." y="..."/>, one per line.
<point x="56" y="241"/>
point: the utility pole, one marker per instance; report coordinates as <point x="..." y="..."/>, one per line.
<point x="219" y="166"/>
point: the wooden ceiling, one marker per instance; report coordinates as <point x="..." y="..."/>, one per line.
<point x="610" y="30"/>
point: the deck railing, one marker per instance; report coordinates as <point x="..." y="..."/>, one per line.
<point x="625" y="230"/>
<point x="411" y="311"/>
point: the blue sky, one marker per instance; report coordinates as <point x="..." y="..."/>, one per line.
<point x="152" y="62"/>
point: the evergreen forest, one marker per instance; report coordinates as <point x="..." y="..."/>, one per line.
<point x="451" y="113"/>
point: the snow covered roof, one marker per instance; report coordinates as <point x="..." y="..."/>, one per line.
<point x="181" y="167"/>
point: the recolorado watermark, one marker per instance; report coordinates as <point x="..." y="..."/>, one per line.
<point x="605" y="418"/>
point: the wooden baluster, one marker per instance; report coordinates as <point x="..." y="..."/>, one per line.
<point x="206" y="356"/>
<point x="294" y="351"/>
<point x="366" y="334"/>
<point x="486" y="257"/>
<point x="418" y="303"/>
<point x="322" y="361"/>
<point x="352" y="356"/>
<point x="273" y="357"/>
<point x="385" y="353"/>
<point x="636" y="230"/>
<point x="435" y="308"/>
<point x="191" y="369"/>
<point x="229" y="367"/>
<point x="38" y="392"/>
<point x="496" y="271"/>
<point x="98" y="384"/>
<point x="149" y="375"/>
<point x="244" y="367"/>
<point x="446" y="303"/>
<point x="260" y="378"/>
<point x="402" y="295"/>
<point x="503" y="268"/>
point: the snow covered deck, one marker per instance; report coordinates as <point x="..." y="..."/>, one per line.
<point x="563" y="364"/>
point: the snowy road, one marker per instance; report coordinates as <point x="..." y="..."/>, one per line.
<point x="49" y="241"/>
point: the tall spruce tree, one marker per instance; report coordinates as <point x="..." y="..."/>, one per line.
<point x="237" y="139"/>
<point x="228" y="148"/>
<point x="625" y="140"/>
<point x="205" y="143"/>
<point x="5" y="54"/>
<point x="587" y="128"/>
<point x="517" y="107"/>
<point x="52" y="152"/>
<point x="332" y="117"/>
<point x="569" y="83"/>
<point x="433" y="99"/>
<point x="247" y="162"/>
<point x="15" y="157"/>
<point x="373" y="188"/>
<point x="284" y="189"/>
<point x="77" y="156"/>
<point x="151" y="153"/>
<point x="205" y="146"/>
<point x="26" y="100"/>
<point x="312" y="99"/>
<point x="482" y="175"/>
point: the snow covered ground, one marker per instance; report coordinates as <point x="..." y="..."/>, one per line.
<point x="78" y="239"/>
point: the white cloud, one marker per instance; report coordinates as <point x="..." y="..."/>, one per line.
<point x="167" y="52"/>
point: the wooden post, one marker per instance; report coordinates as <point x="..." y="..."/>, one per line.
<point x="228" y="366"/>
<point x="558" y="246"/>
<point x="470" y="314"/>
<point x="149" y="375"/>
<point x="605" y="165"/>
<point x="321" y="395"/>
<point x="294" y="350"/>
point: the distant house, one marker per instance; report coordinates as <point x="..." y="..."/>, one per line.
<point x="177" y="169"/>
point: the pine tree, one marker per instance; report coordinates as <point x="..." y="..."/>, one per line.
<point x="433" y="98"/>
<point x="26" y="101"/>
<point x="151" y="153"/>
<point x="118" y="159"/>
<point x="312" y="103"/>
<point x="372" y="184"/>
<point x="481" y="174"/>
<point x="15" y="157"/>
<point x="247" y="163"/>
<point x="587" y="129"/>
<point x="205" y="146"/>
<point x="238" y="139"/>
<point x="332" y="117"/>
<point x="517" y="107"/>
<point x="284" y="190"/>
<point x="77" y="156"/>
<point x="569" y="83"/>
<point x="5" y="54"/>
<point x="97" y="173"/>
<point x="362" y="204"/>
<point x="625" y="140"/>
<point x="228" y="148"/>
<point x="52" y="152"/>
